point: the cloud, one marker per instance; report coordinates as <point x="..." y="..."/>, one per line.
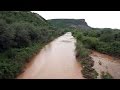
<point x="99" y="19"/>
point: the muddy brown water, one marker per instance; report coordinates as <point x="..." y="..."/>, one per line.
<point x="106" y="63"/>
<point x="55" y="61"/>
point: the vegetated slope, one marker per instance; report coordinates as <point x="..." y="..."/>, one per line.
<point x="22" y="16"/>
<point x="75" y="23"/>
<point x="22" y="34"/>
<point x="19" y="29"/>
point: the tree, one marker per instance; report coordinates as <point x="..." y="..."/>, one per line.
<point x="22" y="38"/>
<point x="107" y="37"/>
<point x="6" y="36"/>
<point x="79" y="35"/>
<point x="90" y="42"/>
<point x="117" y="36"/>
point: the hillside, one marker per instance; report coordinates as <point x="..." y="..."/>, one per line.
<point x="22" y="34"/>
<point x="22" y="16"/>
<point x="75" y="23"/>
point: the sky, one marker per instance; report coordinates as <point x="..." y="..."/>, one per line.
<point x="96" y="19"/>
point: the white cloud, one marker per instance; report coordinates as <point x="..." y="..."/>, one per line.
<point x="100" y="19"/>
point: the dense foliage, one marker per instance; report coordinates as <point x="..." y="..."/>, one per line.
<point x="22" y="34"/>
<point x="104" y="40"/>
<point x="82" y="55"/>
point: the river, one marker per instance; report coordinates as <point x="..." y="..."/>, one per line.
<point x="55" y="61"/>
<point x="106" y="63"/>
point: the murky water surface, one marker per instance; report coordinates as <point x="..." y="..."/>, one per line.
<point x="107" y="64"/>
<point x="55" y="61"/>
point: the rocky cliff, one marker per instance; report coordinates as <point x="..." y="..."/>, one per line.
<point x="76" y="23"/>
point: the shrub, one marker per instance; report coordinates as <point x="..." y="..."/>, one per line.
<point x="6" y="36"/>
<point x="82" y="55"/>
<point x="89" y="73"/>
<point x="102" y="47"/>
<point x="81" y="51"/>
<point x="11" y="53"/>
<point x="106" y="75"/>
<point x="79" y="35"/>
<point x="90" y="42"/>
<point x="115" y="48"/>
<point x="107" y="36"/>
<point x="22" y="38"/>
<point x="117" y="36"/>
<point x="109" y="48"/>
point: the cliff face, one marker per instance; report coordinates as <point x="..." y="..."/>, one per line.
<point x="76" y="23"/>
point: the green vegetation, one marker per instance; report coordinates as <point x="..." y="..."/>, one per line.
<point x="82" y="55"/>
<point x="104" y="40"/>
<point x="13" y="60"/>
<point x="81" y="51"/>
<point x="69" y="23"/>
<point x="87" y="71"/>
<point x="106" y="75"/>
<point x="22" y="34"/>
